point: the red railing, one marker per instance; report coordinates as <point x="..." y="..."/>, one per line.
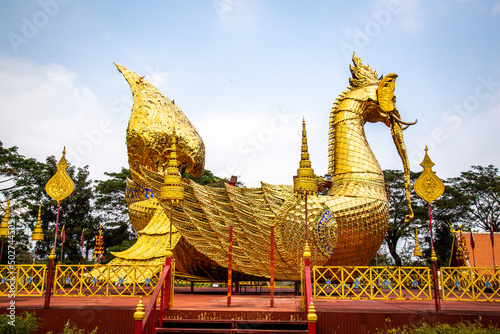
<point x="307" y="293"/>
<point x="153" y="316"/>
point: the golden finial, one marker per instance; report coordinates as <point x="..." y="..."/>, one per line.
<point x="172" y="188"/>
<point x="311" y="314"/>
<point x="38" y="232"/>
<point x="305" y="182"/>
<point x="169" y="254"/>
<point x="139" y="311"/>
<point x="362" y="75"/>
<point x="418" y="250"/>
<point x="428" y="186"/>
<point x="4" y="226"/>
<point x="60" y="185"/>
<point x="307" y="251"/>
<point x="433" y="255"/>
<point x="52" y="255"/>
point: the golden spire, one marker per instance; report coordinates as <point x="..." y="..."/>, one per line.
<point x="38" y="232"/>
<point x="60" y="185"/>
<point x="172" y="188"/>
<point x="305" y="181"/>
<point x="418" y="250"/>
<point x="4" y="226"/>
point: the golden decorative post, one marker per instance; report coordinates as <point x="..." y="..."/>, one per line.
<point x="139" y="315"/>
<point x="429" y="187"/>
<point x="58" y="188"/>
<point x="4" y="227"/>
<point x="312" y="318"/>
<point x="38" y="232"/>
<point x="303" y="184"/>
<point x="172" y="191"/>
<point x="99" y="248"/>
<point x="418" y="251"/>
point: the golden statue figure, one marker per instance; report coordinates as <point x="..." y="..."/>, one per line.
<point x="345" y="227"/>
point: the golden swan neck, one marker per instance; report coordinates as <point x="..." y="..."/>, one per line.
<point x="355" y="170"/>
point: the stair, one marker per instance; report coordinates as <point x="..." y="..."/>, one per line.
<point x="221" y="326"/>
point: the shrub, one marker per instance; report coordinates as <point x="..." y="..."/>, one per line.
<point x="459" y="328"/>
<point x="74" y="330"/>
<point x="22" y="324"/>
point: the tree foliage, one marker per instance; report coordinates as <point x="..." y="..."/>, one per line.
<point x="471" y="200"/>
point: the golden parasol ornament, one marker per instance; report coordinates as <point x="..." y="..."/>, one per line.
<point x="428" y="186"/>
<point x="60" y="185"/>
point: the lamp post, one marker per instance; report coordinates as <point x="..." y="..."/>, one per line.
<point x="429" y="187"/>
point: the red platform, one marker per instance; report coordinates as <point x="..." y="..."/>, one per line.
<point x="115" y="314"/>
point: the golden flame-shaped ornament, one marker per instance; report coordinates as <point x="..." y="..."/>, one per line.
<point x="428" y="186"/>
<point x="38" y="232"/>
<point x="60" y="185"/>
<point x="305" y="182"/>
<point x="4" y="226"/>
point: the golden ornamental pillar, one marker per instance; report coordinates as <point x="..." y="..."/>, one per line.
<point x="429" y="187"/>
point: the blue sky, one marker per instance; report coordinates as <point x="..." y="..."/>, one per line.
<point x="245" y="72"/>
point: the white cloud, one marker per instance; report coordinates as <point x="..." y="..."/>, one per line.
<point x="44" y="109"/>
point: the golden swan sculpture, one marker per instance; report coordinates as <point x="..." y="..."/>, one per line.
<point x="345" y="227"/>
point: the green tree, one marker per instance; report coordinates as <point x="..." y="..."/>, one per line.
<point x="398" y="230"/>
<point x="479" y="190"/>
<point x="17" y="174"/>
<point x="207" y="178"/>
<point x="112" y="211"/>
<point x="26" y="179"/>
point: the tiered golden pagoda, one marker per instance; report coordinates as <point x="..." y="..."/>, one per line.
<point x="172" y="189"/>
<point x="418" y="250"/>
<point x="4" y="226"/>
<point x="345" y="227"/>
<point x="38" y="232"/>
<point x="305" y="182"/>
<point x="99" y="245"/>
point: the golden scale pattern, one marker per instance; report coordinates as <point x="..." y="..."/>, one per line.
<point x="346" y="227"/>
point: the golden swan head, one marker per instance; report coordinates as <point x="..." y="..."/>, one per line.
<point x="155" y="119"/>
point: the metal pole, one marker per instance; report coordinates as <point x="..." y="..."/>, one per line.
<point x="57" y="223"/>
<point x="48" y="289"/>
<point x="272" y="266"/>
<point x="1" y="250"/>
<point x="307" y="232"/>
<point x="434" y="267"/>
<point x="62" y="247"/>
<point x="230" y="267"/>
<point x="171" y="209"/>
